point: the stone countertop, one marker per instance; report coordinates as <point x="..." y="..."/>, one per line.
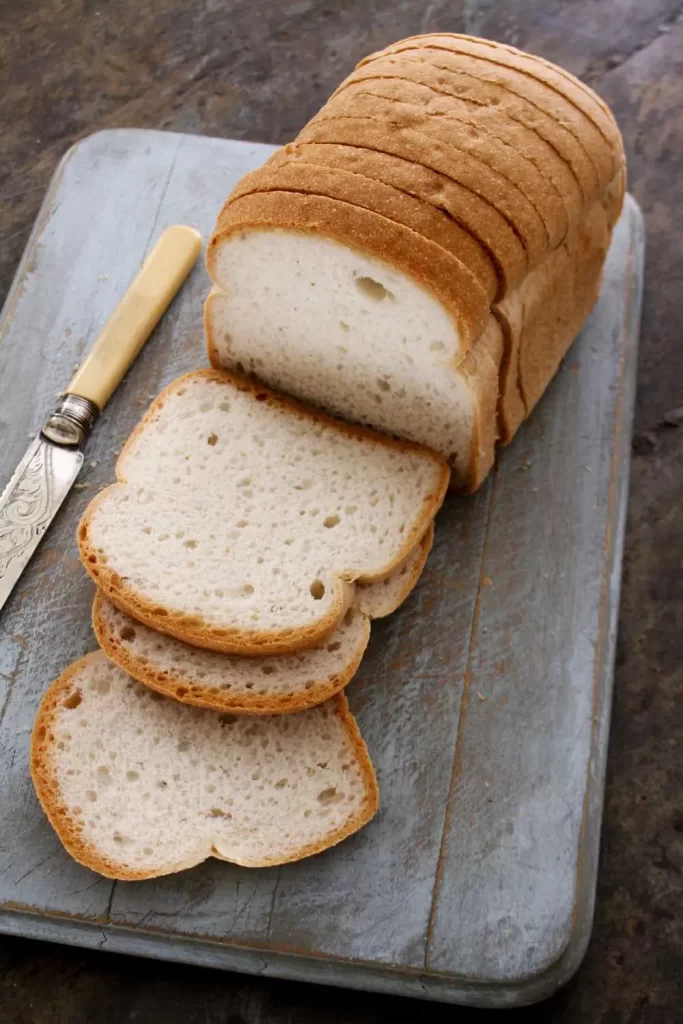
<point x="258" y="69"/>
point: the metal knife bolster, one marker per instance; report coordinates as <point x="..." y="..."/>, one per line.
<point x="40" y="484"/>
<point x="71" y="422"/>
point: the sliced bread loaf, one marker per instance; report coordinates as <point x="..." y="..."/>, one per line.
<point x="136" y="785"/>
<point x="242" y="520"/>
<point x="253" y="686"/>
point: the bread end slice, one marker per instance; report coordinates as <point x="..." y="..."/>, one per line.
<point x="138" y="786"/>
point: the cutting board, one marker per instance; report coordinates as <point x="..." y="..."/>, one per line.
<point x="484" y="701"/>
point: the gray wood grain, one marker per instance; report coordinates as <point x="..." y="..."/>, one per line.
<point x="475" y="882"/>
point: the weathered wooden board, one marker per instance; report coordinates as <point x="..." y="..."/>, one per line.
<point x="484" y="701"/>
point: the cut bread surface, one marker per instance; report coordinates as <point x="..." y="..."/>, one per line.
<point x="137" y="785"/>
<point x="254" y="686"/>
<point x="315" y="340"/>
<point x="242" y="520"/>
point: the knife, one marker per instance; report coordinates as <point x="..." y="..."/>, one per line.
<point x="47" y="471"/>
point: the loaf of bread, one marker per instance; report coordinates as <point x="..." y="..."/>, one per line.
<point x="421" y="257"/>
<point x="254" y="686"/>
<point x="137" y="785"/>
<point x="242" y="522"/>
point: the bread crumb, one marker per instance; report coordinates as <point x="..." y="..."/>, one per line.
<point x="488" y="785"/>
<point x="480" y="695"/>
<point x="81" y="487"/>
<point x="93" y="464"/>
<point x="487" y="581"/>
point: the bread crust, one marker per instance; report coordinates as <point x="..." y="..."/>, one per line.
<point x="542" y="318"/>
<point x="441" y="149"/>
<point x="250" y="643"/>
<point x="490" y="86"/>
<point x="479" y="113"/>
<point x="66" y="823"/>
<point x="438" y="113"/>
<point x="475" y="215"/>
<point x="592" y="120"/>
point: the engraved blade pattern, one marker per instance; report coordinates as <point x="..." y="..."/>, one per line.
<point x="28" y="504"/>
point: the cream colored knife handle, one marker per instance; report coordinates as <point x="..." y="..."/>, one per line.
<point x="136" y="315"/>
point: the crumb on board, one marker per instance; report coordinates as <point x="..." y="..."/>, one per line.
<point x="81" y="487"/>
<point x="487" y="581"/>
<point x="480" y="695"/>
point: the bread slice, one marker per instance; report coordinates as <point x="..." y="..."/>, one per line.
<point x="254" y="686"/>
<point x="445" y="293"/>
<point x="242" y="520"/>
<point x="137" y="786"/>
<point x="317" y="339"/>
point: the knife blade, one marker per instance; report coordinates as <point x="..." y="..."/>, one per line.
<point x="46" y="473"/>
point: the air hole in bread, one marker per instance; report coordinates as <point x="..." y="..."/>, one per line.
<point x="344" y="326"/>
<point x="132" y="775"/>
<point x="181" y="692"/>
<point x="317" y="590"/>
<point x="328" y="796"/>
<point x="383" y="385"/>
<point x="191" y="544"/>
<point x="372" y="289"/>
<point x="103" y="774"/>
<point x="268" y="669"/>
<point x="127" y="633"/>
<point x="91" y="795"/>
<point x="122" y="840"/>
<point x="437" y="346"/>
<point x="73" y="700"/>
<point x="331" y="521"/>
<point x="212" y="439"/>
<point x="335" y="646"/>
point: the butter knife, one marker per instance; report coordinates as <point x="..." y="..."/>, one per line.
<point x="47" y="471"/>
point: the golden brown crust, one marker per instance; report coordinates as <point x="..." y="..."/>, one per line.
<point x="542" y="318"/>
<point x="476" y="108"/>
<point x="475" y="215"/>
<point x="435" y="142"/>
<point x="593" y="121"/>
<point x="411" y="146"/>
<point x="439" y="114"/>
<point x="229" y="640"/>
<point x="66" y="823"/>
<point x="244" y="703"/>
<point x="395" y="244"/>
<point x="289" y="170"/>
<point x="482" y="369"/>
<point x="488" y="86"/>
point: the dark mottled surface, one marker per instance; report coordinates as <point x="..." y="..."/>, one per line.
<point x="258" y="69"/>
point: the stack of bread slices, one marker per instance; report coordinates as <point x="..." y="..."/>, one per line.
<point x="416" y="263"/>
